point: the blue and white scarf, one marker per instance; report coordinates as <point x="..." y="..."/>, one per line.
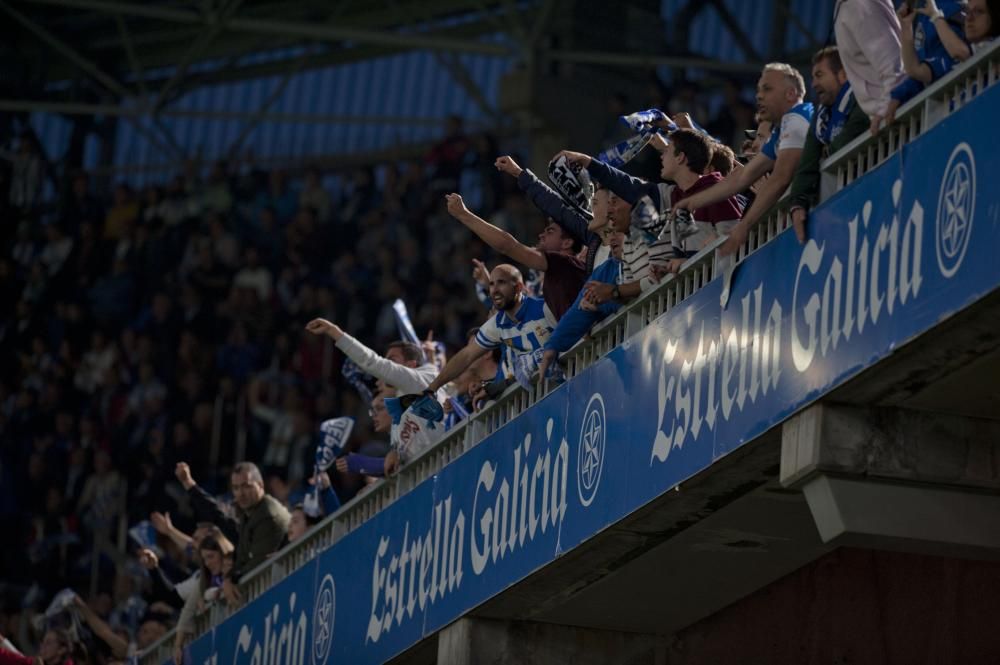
<point x="830" y="120"/>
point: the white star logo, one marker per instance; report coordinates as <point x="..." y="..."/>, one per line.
<point x="324" y="613"/>
<point x="590" y="456"/>
<point x="956" y="206"/>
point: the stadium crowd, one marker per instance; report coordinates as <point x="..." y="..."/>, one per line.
<point x="154" y="340"/>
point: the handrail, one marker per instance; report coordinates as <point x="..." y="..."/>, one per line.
<point x="838" y="172"/>
<point x="936" y="102"/>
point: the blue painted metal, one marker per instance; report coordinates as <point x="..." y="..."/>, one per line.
<point x="891" y="257"/>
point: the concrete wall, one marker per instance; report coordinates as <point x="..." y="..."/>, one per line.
<point x="858" y="607"/>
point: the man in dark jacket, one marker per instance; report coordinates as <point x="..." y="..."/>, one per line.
<point x="571" y="220"/>
<point x="261" y="523"/>
<point x="838" y="120"/>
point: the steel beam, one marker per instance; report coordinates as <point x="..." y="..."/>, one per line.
<point x="461" y="75"/>
<point x="196" y="50"/>
<point x="319" y="32"/>
<point x="736" y="30"/>
<point x="641" y="60"/>
<point x="66" y="51"/>
<point x="133" y="60"/>
<point x="258" y="116"/>
<point x="68" y="108"/>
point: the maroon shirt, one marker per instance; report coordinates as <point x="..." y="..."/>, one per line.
<point x="563" y="280"/>
<point x="726" y="210"/>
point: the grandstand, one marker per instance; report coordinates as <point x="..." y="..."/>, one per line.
<point x="750" y="443"/>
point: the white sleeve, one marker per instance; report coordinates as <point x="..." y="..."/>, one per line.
<point x="404" y="379"/>
<point x="794" y="129"/>
<point x="488" y="336"/>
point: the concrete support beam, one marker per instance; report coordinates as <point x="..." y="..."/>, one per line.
<point x="484" y="641"/>
<point x="897" y="479"/>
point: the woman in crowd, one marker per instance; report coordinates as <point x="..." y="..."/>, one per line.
<point x="214" y="551"/>
<point x="982" y="26"/>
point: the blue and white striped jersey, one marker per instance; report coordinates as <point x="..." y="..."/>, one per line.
<point x="526" y="331"/>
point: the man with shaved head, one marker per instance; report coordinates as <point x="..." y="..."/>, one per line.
<point x="520" y="325"/>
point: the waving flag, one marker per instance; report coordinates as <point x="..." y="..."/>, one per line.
<point x="406" y="331"/>
<point x="622" y="153"/>
<point x="358" y="380"/>
<point x="334" y="434"/>
<point x="642" y="121"/>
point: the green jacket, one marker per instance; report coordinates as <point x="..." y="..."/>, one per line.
<point x="262" y="530"/>
<point x="805" y="184"/>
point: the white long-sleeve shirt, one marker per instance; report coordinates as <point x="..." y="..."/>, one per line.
<point x="868" y="40"/>
<point x="406" y="380"/>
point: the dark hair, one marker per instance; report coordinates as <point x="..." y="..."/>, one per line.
<point x="832" y="56"/>
<point x="218" y="543"/>
<point x="577" y="244"/>
<point x="723" y="158"/>
<point x="694" y="146"/>
<point x="409" y="350"/>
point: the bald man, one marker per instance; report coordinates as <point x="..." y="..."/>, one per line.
<point x="521" y="325"/>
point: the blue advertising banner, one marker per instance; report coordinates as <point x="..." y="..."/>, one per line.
<point x="888" y="258"/>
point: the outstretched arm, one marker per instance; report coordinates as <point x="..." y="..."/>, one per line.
<point x="498" y="239"/>
<point x="767" y="196"/>
<point x="732" y="184"/>
<point x="548" y="201"/>
<point x="458" y="363"/>
<point x="401" y="377"/>
<point x="119" y="647"/>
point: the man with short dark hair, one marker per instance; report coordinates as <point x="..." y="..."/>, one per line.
<point x="683" y="161"/>
<point x="261" y="522"/>
<point x="555" y="254"/>
<point x="779" y="99"/>
<point x="838" y="119"/>
<point x="403" y="366"/>
<point x="572" y="220"/>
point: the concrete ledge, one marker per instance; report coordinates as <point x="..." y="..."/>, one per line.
<point x="890" y="443"/>
<point x="903" y="516"/>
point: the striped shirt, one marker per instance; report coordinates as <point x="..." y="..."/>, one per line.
<point x="637" y="256"/>
<point x="524" y="332"/>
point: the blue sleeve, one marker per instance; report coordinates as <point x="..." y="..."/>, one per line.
<point x="575" y="323"/>
<point x="549" y="202"/>
<point x="365" y="464"/>
<point x="331" y="502"/>
<point x="770" y="149"/>
<point x="622" y="184"/>
<point x="906" y="90"/>
<point x="940" y="65"/>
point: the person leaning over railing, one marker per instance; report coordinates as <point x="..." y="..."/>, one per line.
<point x="779" y="97"/>
<point x="573" y="221"/>
<point x="213" y="552"/>
<point x="403" y="366"/>
<point x="867" y="33"/>
<point x="520" y="326"/>
<point x="555" y="254"/>
<point x="926" y="57"/>
<point x="838" y="119"/>
<point x="982" y="26"/>
<point x="582" y="316"/>
<point x="259" y="529"/>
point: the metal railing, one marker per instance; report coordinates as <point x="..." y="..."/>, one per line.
<point x="839" y="171"/>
